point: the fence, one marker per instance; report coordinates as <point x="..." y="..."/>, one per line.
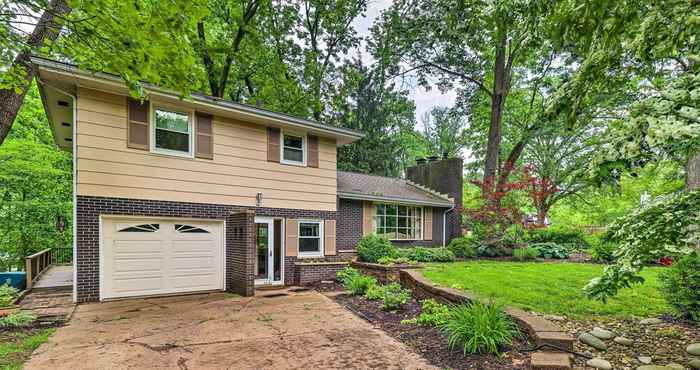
<point x="62" y="256"/>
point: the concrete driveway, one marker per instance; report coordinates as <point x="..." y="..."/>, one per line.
<point x="300" y="330"/>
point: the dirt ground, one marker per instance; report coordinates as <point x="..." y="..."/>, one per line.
<point x="297" y="330"/>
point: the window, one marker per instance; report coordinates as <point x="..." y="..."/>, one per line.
<point x="189" y="229"/>
<point x="293" y="147"/>
<point x="310" y="239"/>
<point x="173" y="132"/>
<point x="145" y="228"/>
<point x="398" y="222"/>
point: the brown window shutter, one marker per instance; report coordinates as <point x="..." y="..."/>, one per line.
<point x="329" y="238"/>
<point x="292" y="238"/>
<point x="312" y="159"/>
<point x="204" y="140"/>
<point x="137" y="130"/>
<point x="273" y="144"/>
<point x="427" y="223"/>
<point x="367" y="218"/>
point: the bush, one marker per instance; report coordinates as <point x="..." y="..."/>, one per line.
<point x="551" y="250"/>
<point x="421" y="254"/>
<point x="680" y="284"/>
<point x="358" y="285"/>
<point x="371" y="248"/>
<point x="17" y="319"/>
<point x="478" y="328"/>
<point x="394" y="297"/>
<point x="442" y="254"/>
<point x="374" y="292"/>
<point x="345" y="275"/>
<point x="571" y="237"/>
<point x="515" y="235"/>
<point x="8" y="295"/>
<point x="431" y="314"/>
<point x="392" y="261"/>
<point x="493" y="250"/>
<point x="525" y="254"/>
<point x="463" y="247"/>
<point x="603" y="252"/>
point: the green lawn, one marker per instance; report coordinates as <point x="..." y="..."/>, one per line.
<point x="553" y="288"/>
<point x="15" y="348"/>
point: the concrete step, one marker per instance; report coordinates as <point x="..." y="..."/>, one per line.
<point x="542" y="360"/>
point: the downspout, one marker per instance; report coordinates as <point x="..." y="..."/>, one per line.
<point x="444" y="224"/>
<point x="75" y="204"/>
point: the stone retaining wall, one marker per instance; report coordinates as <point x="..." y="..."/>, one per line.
<point x="386" y="274"/>
<point x="311" y="272"/>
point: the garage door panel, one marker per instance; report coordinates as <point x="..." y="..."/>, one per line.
<point x="162" y="259"/>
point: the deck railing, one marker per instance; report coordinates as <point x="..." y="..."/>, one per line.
<point x="62" y="256"/>
<point x="36" y="264"/>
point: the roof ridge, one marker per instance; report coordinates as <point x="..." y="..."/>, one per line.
<point x="371" y="175"/>
<point x="427" y="189"/>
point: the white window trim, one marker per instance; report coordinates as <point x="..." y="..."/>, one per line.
<point x="422" y="221"/>
<point x="321" y="246"/>
<point x="190" y="126"/>
<point x="304" y="148"/>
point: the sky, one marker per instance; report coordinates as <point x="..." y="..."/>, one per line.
<point x="424" y="100"/>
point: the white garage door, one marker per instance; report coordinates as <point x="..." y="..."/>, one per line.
<point x="154" y="256"/>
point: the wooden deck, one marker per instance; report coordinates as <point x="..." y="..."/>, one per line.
<point x="56" y="277"/>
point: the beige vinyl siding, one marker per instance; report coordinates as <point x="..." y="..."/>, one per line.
<point x="239" y="170"/>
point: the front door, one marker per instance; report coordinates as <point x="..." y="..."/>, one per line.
<point x="269" y="264"/>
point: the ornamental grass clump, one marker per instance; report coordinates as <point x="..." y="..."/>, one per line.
<point x="478" y="328"/>
<point x="525" y="254"/>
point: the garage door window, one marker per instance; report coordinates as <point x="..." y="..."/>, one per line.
<point x="190" y="229"/>
<point x="145" y="228"/>
<point x="310" y="239"/>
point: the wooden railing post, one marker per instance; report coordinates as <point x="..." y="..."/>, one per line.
<point x="28" y="267"/>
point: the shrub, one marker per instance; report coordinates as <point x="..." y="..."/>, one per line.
<point x="492" y="250"/>
<point x="525" y="254"/>
<point x="392" y="261"/>
<point x="358" y="285"/>
<point x="603" y="252"/>
<point x="420" y="254"/>
<point x="478" y="328"/>
<point x="345" y="275"/>
<point x="374" y="292"/>
<point x="515" y="235"/>
<point x="571" y="237"/>
<point x="680" y="284"/>
<point x="394" y="297"/>
<point x="442" y="254"/>
<point x="464" y="246"/>
<point x="431" y="314"/>
<point x="17" y="319"/>
<point x="551" y="250"/>
<point x="8" y="295"/>
<point x="372" y="247"/>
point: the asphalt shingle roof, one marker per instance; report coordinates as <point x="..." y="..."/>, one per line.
<point x="359" y="186"/>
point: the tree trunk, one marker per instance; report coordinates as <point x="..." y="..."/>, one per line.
<point x="498" y="98"/>
<point x="542" y="210"/>
<point x="47" y="29"/>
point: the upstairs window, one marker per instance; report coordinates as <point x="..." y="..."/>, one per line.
<point x="173" y="132"/>
<point x="293" y="148"/>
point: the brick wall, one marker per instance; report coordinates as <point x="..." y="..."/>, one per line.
<point x="349" y="227"/>
<point x="309" y="272"/>
<point x="90" y="208"/>
<point x="240" y="253"/>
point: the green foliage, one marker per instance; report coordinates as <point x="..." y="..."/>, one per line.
<point x="550" y="250"/>
<point x="394" y="261"/>
<point x="421" y="254"/>
<point x="359" y="284"/>
<point x="571" y="237"/>
<point x="525" y="254"/>
<point x="8" y="295"/>
<point x="603" y="252"/>
<point x="478" y="328"/>
<point x="374" y="292"/>
<point x="372" y="247"/>
<point x="493" y="250"/>
<point x="515" y="235"/>
<point x="681" y="286"/>
<point x="345" y="275"/>
<point x="394" y="297"/>
<point x="463" y="246"/>
<point x="20" y="347"/>
<point x="667" y="226"/>
<point x="17" y="319"/>
<point x="432" y="314"/>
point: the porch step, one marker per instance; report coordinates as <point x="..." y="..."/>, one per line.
<point x="542" y="360"/>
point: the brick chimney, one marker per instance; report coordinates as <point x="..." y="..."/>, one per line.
<point x="444" y="176"/>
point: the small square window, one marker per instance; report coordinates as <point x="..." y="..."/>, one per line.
<point x="310" y="239"/>
<point x="293" y="149"/>
<point x="172" y="132"/>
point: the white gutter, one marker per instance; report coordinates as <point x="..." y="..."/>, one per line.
<point x="75" y="178"/>
<point x="444" y="224"/>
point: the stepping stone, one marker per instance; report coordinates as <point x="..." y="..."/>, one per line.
<point x="654" y="367"/>
<point x="644" y="359"/>
<point x="694" y="349"/>
<point x="651" y="321"/>
<point x="602" y="333"/>
<point x="550" y="361"/>
<point x="695" y="364"/>
<point x="592" y="341"/>
<point x="599" y="363"/>
<point x="675" y="366"/>
<point x="623" y="341"/>
<point x="555" y="318"/>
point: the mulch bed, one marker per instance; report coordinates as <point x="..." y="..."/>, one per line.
<point x="326" y="286"/>
<point x="430" y="342"/>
